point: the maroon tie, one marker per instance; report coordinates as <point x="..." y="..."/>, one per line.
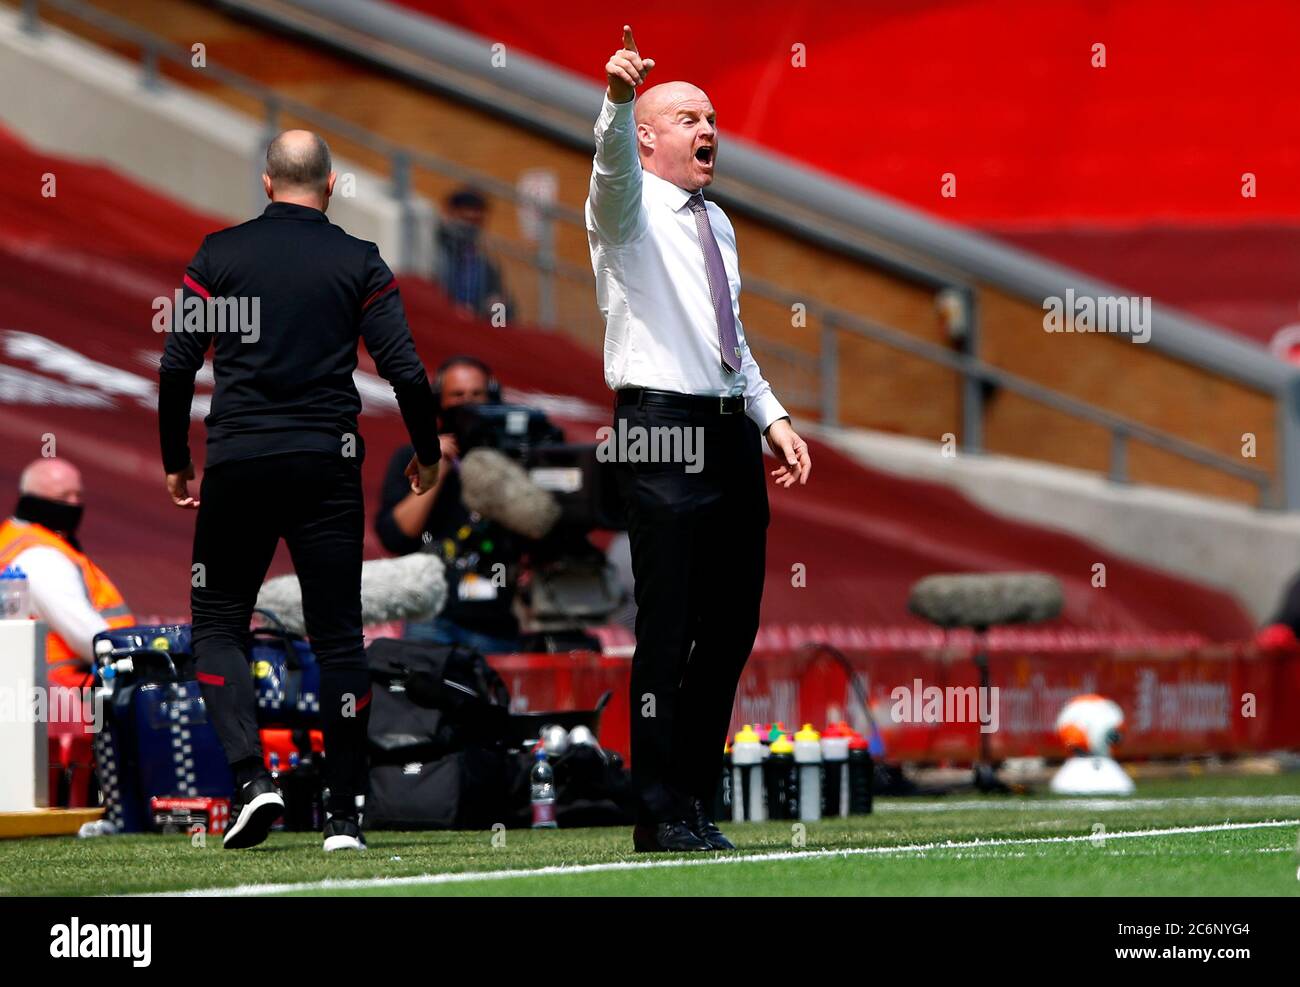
<point x="719" y="289"/>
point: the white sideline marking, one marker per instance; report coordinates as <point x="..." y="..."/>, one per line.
<point x="333" y="884"/>
<point x="1091" y="804"/>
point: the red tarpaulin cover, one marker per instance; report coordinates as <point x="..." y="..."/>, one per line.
<point x="1004" y="95"/>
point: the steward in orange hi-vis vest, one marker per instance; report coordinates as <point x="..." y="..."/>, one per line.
<point x="66" y="665"/>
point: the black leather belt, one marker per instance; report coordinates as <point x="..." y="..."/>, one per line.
<point x="642" y="396"/>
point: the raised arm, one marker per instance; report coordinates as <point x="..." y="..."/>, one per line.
<point x="614" y="196"/>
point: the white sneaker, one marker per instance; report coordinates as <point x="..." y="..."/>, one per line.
<point x="343" y="833"/>
<point x="257" y="805"/>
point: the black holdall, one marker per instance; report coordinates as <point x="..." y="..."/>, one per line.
<point x="469" y="789"/>
<point x="438" y="736"/>
<point x="446" y="753"/>
<point x="433" y="699"/>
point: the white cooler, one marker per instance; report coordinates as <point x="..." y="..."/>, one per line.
<point x="24" y="747"/>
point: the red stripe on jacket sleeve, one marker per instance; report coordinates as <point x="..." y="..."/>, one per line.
<point x="197" y="288"/>
<point x="375" y="296"/>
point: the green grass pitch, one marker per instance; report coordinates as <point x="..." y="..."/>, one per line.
<point x="1235" y="836"/>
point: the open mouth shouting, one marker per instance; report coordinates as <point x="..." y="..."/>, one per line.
<point x="704" y="154"/>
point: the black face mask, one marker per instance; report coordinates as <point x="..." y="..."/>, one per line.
<point x="62" y="519"/>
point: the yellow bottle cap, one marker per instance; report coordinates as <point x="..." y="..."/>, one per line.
<point x="807" y="733"/>
<point x="746" y="735"/>
<point x="782" y="745"/>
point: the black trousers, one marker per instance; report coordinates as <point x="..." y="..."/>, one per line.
<point x="314" y="502"/>
<point x="699" y="544"/>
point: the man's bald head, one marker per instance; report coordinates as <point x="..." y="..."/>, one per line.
<point x="52" y="479"/>
<point x="676" y="135"/>
<point x="299" y="158"/>
<point x="299" y="169"/>
<point x="659" y="99"/>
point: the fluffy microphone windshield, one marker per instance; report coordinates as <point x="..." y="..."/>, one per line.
<point x="986" y="599"/>
<point x="408" y="588"/>
<point x="495" y="486"/>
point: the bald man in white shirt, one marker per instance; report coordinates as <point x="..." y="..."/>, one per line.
<point x="668" y="285"/>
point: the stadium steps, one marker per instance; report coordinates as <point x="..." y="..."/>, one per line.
<point x="1249" y="554"/>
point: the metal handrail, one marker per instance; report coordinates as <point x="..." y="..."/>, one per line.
<point x="967" y="365"/>
<point x="826" y="362"/>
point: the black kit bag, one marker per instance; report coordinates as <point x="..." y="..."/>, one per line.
<point x="438" y="733"/>
<point x="432" y="699"/>
<point x="470" y="789"/>
<point x="592" y="788"/>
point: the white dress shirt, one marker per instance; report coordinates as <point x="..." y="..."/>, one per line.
<point x="651" y="283"/>
<point x="60" y="598"/>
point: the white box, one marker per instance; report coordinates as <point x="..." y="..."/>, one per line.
<point x="24" y="745"/>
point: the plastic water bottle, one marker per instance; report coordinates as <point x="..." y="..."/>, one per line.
<point x="861" y="776"/>
<point x="278" y="825"/>
<point x="15" y="594"/>
<point x="722" y="794"/>
<point x="781" y="779"/>
<point x="835" y="762"/>
<point x="542" y="785"/>
<point x="808" y="757"/>
<point x="747" y="802"/>
<point x="8" y="595"/>
<point x="290" y="785"/>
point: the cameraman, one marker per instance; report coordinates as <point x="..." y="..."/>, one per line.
<point x="480" y="556"/>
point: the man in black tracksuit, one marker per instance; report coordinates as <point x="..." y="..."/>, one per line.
<point x="282" y="301"/>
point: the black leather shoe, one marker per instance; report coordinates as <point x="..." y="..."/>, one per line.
<point x="703" y="826"/>
<point x="666" y="837"/>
